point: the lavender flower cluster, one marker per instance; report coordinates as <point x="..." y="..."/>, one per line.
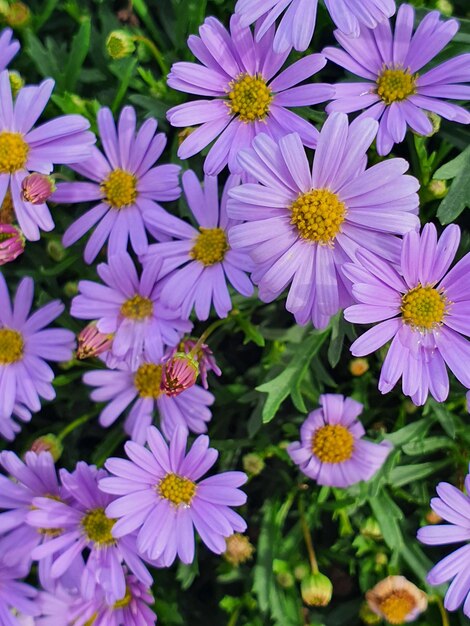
<point x="338" y="234"/>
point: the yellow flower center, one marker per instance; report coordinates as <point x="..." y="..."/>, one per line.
<point x="249" y="98"/>
<point x="423" y="308"/>
<point x="177" y="489"/>
<point x="397" y="606"/>
<point x="148" y="380"/>
<point x="98" y="527"/>
<point x="211" y="246"/>
<point x="121" y="604"/>
<point x="318" y="215"/>
<point x="11" y="346"/>
<point x="137" y="308"/>
<point x="13" y="152"/>
<point x="119" y="189"/>
<point x="333" y="444"/>
<point x="396" y="84"/>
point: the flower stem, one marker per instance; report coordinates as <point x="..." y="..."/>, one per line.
<point x="444" y="617"/>
<point x="307" y="538"/>
<point x="156" y="53"/>
<point x="73" y="425"/>
<point x="206" y="334"/>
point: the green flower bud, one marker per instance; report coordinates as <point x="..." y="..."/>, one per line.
<point x="316" y="590"/>
<point x="18" y="15"/>
<point x="55" y="250"/>
<point x="437" y="189"/>
<point x="253" y="464"/>
<point x="371" y="528"/>
<point x="70" y="288"/>
<point x="119" y="44"/>
<point x="285" y="580"/>
<point x="368" y="616"/>
<point x="445" y="7"/>
<point x="16" y="82"/>
<point x="48" y="443"/>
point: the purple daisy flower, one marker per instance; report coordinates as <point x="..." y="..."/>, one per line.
<point x="124" y="183"/>
<point x="454" y="507"/>
<point x="422" y="308"/>
<point x="25" y="345"/>
<point x="24" y="149"/>
<point x="302" y="224"/>
<point x="238" y="74"/>
<point x="332" y="450"/>
<point x="298" y="23"/>
<point x="394" y="92"/>
<point x="199" y="262"/>
<point x="132" y="309"/>
<point x="67" y="608"/>
<point x="83" y="525"/>
<point x="14" y="594"/>
<point x="161" y="496"/>
<point x="141" y="387"/>
<point x="8" y="47"/>
<point x="34" y="477"/>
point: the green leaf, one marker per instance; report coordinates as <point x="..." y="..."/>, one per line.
<point x="406" y="474"/>
<point x="250" y="331"/>
<point x="389" y="516"/>
<point x="78" y="51"/>
<point x="409" y="432"/>
<point x="427" y="446"/>
<point x="280" y="387"/>
<point x="458" y="197"/>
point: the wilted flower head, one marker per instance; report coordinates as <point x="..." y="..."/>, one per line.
<point x="332" y="450"/>
<point x="392" y="90"/>
<point x="37" y="188"/>
<point x="397" y="600"/>
<point x="120" y="44"/>
<point x="422" y="307"/>
<point x="12" y="243"/>
<point x="239" y="549"/>
<point x="162" y="483"/>
<point x="91" y="342"/>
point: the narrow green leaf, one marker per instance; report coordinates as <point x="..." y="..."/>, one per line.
<point x="458" y="197"/>
<point x="406" y="474"/>
<point x="78" y="51"/>
<point x="389" y="516"/>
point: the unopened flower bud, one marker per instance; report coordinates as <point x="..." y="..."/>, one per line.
<point x="239" y="549"/>
<point x="179" y="373"/>
<point x="18" y="15"/>
<point x="12" y="243"/>
<point x="437" y="189"/>
<point x="316" y="590"/>
<point x="301" y="571"/>
<point x="48" y="443"/>
<point x="37" y="188"/>
<point x="381" y="559"/>
<point x="358" y="367"/>
<point x="445" y="7"/>
<point x="435" y="121"/>
<point x="16" y="82"/>
<point x="285" y="580"/>
<point x="371" y="528"/>
<point x="55" y="250"/>
<point x="253" y="464"/>
<point x="70" y="288"/>
<point x="92" y="343"/>
<point x="119" y="44"/>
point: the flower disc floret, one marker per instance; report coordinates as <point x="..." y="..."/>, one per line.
<point x="137" y="308"/>
<point x="13" y="152"/>
<point x="397" y="606"/>
<point x="11" y="346"/>
<point x="318" y="215"/>
<point x="396" y="84"/>
<point x="148" y="380"/>
<point x="249" y="98"/>
<point x="119" y="188"/>
<point x="122" y="604"/>
<point x="333" y="444"/>
<point x="98" y="527"/>
<point x="177" y="489"/>
<point x="423" y="308"/>
<point x="210" y="247"/>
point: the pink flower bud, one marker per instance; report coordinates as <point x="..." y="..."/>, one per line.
<point x="37" y="188"/>
<point x="179" y="373"/>
<point x="205" y="358"/>
<point x="12" y="243"/>
<point x="92" y="343"/>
